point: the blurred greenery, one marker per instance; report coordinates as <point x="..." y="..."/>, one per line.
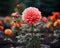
<point x="6" y="7"/>
<point x="45" y="6"/>
<point x="35" y="42"/>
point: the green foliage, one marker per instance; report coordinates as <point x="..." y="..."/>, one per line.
<point x="35" y="42"/>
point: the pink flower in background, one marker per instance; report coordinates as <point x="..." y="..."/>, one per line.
<point x="18" y="5"/>
<point x="44" y="19"/>
<point x="14" y="14"/>
<point x="31" y="15"/>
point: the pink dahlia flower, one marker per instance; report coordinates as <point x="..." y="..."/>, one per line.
<point x="44" y="19"/>
<point x="31" y="15"/>
<point x="14" y="14"/>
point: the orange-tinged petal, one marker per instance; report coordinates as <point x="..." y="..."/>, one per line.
<point x="8" y="32"/>
<point x="14" y="24"/>
<point x="49" y="17"/>
<point x="6" y="18"/>
<point x="55" y="13"/>
<point x="52" y="18"/>
<point x="55" y="23"/>
<point x="11" y="23"/>
<point x="48" y="25"/>
<point x="17" y="25"/>
<point x="58" y="20"/>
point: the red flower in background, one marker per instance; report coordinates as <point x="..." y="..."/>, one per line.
<point x="1" y="27"/>
<point x="31" y="15"/>
<point x="44" y="19"/>
<point x="0" y="22"/>
<point x="14" y="14"/>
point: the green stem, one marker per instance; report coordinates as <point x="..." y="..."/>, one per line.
<point x="32" y="30"/>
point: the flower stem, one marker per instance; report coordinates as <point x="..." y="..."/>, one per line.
<point x="32" y="30"/>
